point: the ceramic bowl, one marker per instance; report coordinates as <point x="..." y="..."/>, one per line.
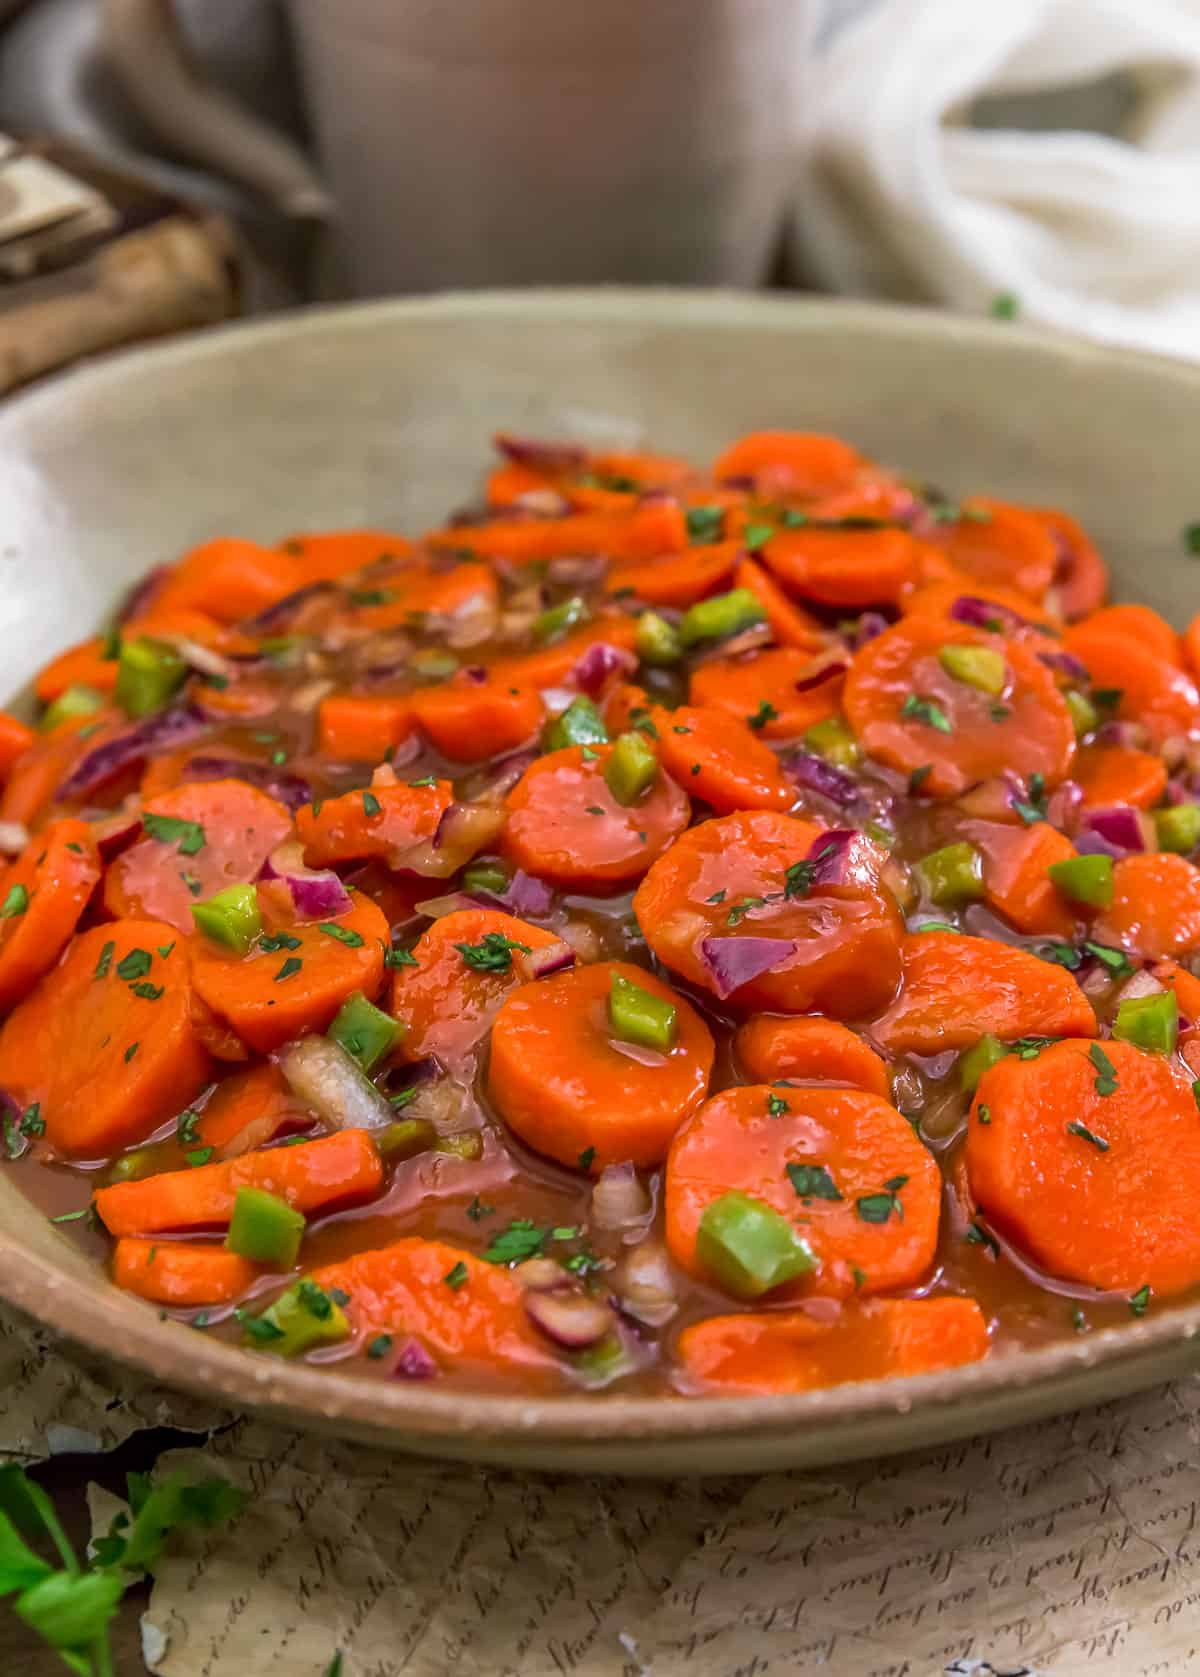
<point x="381" y="415"/>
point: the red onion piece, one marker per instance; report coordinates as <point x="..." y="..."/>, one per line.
<point x="164" y="731"/>
<point x="138" y="599"/>
<point x="1117" y="831"/>
<point x="275" y="616"/>
<point x="463" y="830"/>
<point x="985" y="614"/>
<point x="869" y="625"/>
<point x="1116" y="732"/>
<point x="645" y="1286"/>
<point x="413" y="1362"/>
<point x="829" y="668"/>
<point x="508" y="771"/>
<point x="571" y="1320"/>
<point x="1063" y="805"/>
<point x="1141" y="984"/>
<point x="817" y="775"/>
<point x="544" y="962"/>
<point x="1066" y="664"/>
<point x="13" y="838"/>
<point x="454" y="902"/>
<point x="525" y="896"/>
<point x="585" y="571"/>
<point x="843" y="856"/>
<point x="316" y="895"/>
<point x="541" y="456"/>
<point x="733" y="961"/>
<point x="599" y="664"/>
<point x="618" y="1199"/>
<point x="291" y="790"/>
<point x="116" y="834"/>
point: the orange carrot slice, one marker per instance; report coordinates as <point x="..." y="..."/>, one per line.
<point x="551" y="665"/>
<point x="468" y="719"/>
<point x="790" y="624"/>
<point x="1136" y="623"/>
<point x="1152" y="691"/>
<point x="362" y="727"/>
<point x="1081" y="576"/>
<point x="42" y="896"/>
<point x="1155" y="909"/>
<point x="1015" y="878"/>
<point x="1116" y="774"/>
<point x="847" y="568"/>
<point x="326" y="555"/>
<point x="105" y="1044"/>
<point x="184" y="1275"/>
<point x="382" y="821"/>
<point x="805" y="464"/>
<point x="998" y="542"/>
<point x="721" y="760"/>
<point x="570" y="1089"/>
<point x="650" y="529"/>
<point x="772" y="687"/>
<point x="811" y="1049"/>
<point x="841" y="1165"/>
<point x="249" y="1108"/>
<point x="227" y="578"/>
<point x="677" y="579"/>
<point x="15" y="740"/>
<point x="84" y="665"/>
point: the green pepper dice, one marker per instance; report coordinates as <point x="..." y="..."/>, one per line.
<point x="952" y="875"/>
<point x="981" y="667"/>
<point x="1178" y="828"/>
<point x="1083" y="712"/>
<point x="265" y="1229"/>
<point x="657" y="641"/>
<point x="580" y="724"/>
<point x="720" y="617"/>
<point x="749" y="1247"/>
<point x="406" y="1137"/>
<point x="1084" y="879"/>
<point x="231" y="917"/>
<point x="552" y="625"/>
<point x="635" y="1015"/>
<point x="486" y="876"/>
<point x="364" y="1031"/>
<point x="148" y="673"/>
<point x="987" y="1052"/>
<point x="833" y="740"/>
<point x="301" y="1318"/>
<point x="1149" y="1022"/>
<point x="76" y="700"/>
<point x="631" y="769"/>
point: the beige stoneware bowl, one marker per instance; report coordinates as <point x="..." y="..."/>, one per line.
<point x="381" y="415"/>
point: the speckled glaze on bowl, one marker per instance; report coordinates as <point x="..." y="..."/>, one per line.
<point x="381" y="415"/>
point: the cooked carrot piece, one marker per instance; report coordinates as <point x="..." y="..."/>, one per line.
<point x="382" y="821"/>
<point x="743" y="877"/>
<point x="1088" y="1161"/>
<point x="215" y="1036"/>
<point x="406" y="597"/>
<point x="998" y="542"/>
<point x="312" y="1176"/>
<point x="34" y="778"/>
<point x="845" y="1169"/>
<point x="186" y="1276"/>
<point x="847" y="568"/>
<point x="362" y="727"/>
<point x="790" y="624"/>
<point x="767" y="686"/>
<point x="809" y="1048"/>
<point x="468" y="719"/>
<point x="939" y="599"/>
<point x="229" y="579"/>
<point x="567" y="826"/>
<point x="677" y="579"/>
<point x="569" y="1088"/>
<point x="325" y="555"/>
<point x="42" y="895"/>
<point x="105" y="1043"/>
<point x="168" y="621"/>
<point x="79" y="666"/>
<point x="624" y="706"/>
<point x="1137" y="623"/>
<point x="805" y="464"/>
<point x="15" y="740"/>
<point x="908" y="711"/>
<point x="1015" y="879"/>
<point x="402" y="1289"/>
<point x="447" y="1001"/>
<point x="1147" y="689"/>
<point x="1155" y="909"/>
<point x="1081" y="576"/>
<point x="789" y="1351"/>
<point x="247" y="1109"/>
<point x="552" y="665"/>
<point x="198" y="839"/>
<point x="650" y="529"/>
<point x="720" y="759"/>
<point x="1185" y="985"/>
<point x="508" y="484"/>
<point x="297" y="983"/>
<point x="957" y="989"/>
<point x="1116" y="774"/>
<point x="875" y="493"/>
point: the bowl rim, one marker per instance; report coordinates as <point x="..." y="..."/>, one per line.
<point x="100" y="1318"/>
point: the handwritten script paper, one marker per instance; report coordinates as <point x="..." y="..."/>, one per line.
<point x="1069" y="1547"/>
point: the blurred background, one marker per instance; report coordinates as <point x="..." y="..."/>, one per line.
<point x="165" y="164"/>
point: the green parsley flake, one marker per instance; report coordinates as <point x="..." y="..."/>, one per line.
<point x="587" y="1158"/>
<point x="1140" y="1300"/>
<point x="199" y="1156"/>
<point x="813" y="1182"/>
<point x="1081" y="1130"/>
<point x="272" y="941"/>
<point x="148" y="992"/>
<point x="15" y="902"/>
<point x="105" y="961"/>
<point x="979" y="1236"/>
<point x="492" y="954"/>
<point x="457" y="1277"/>
<point x="519" y="1241"/>
<point x="400" y="958"/>
<point x="288" y="969"/>
<point x="371" y="804"/>
<point x="1106" y="1080"/>
<point x="379" y="1346"/>
<point x="477" y="1210"/>
<point x="877" y="1208"/>
<point x="343" y="934"/>
<point x="188" y="836"/>
<point x="765" y="713"/>
<point x="135" y="965"/>
<point x="777" y="1106"/>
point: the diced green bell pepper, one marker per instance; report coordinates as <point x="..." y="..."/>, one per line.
<point x="986" y="1053"/>
<point x="833" y="740"/>
<point x="433" y="663"/>
<point x="952" y="875"/>
<point x="981" y="667"/>
<point x="231" y="917"/>
<point x="76" y="700"/>
<point x="631" y="769"/>
<point x="301" y="1318"/>
<point x="490" y="875"/>
<point x="580" y="724"/>
<point x="748" y="1247"/>
<point x="636" y="1015"/>
<point x="1083" y="712"/>
<point x="1084" y="879"/>
<point x="264" y="1229"/>
<point x="148" y="673"/>
<point x="1178" y="827"/>
<point x="559" y="620"/>
<point x="720" y="617"/>
<point x="657" y="640"/>
<point x="406" y="1137"/>
<point x="467" y="1144"/>
<point x="366" y="1033"/>
<point x="1149" y="1021"/>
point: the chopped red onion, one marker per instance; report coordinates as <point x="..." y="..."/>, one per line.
<point x="116" y="833"/>
<point x="733" y="961"/>
<point x="544" y="962"/>
<point x="618" y="1199"/>
<point x="599" y="664"/>
<point x="315" y="894"/>
<point x="321" y="1074"/>
<point x="1141" y="984"/>
<point x="509" y="770"/>
<point x="141" y="594"/>
<point x="1064" y="804"/>
<point x="413" y="1362"/>
<point x="13" y="838"/>
<point x="454" y="902"/>
<point x="1117" y="831"/>
<point x="869" y="625"/>
<point x="525" y="896"/>
<point x="750" y="640"/>
<point x="817" y="775"/>
<point x="463" y="830"/>
<point x="985" y="614"/>
<point x="541" y="456"/>
<point x="571" y="1320"/>
<point x="291" y="790"/>
<point x="829" y="668"/>
<point x="844" y="856"/>
<point x="1066" y="664"/>
<point x="645" y="1286"/>
<point x="568" y="571"/>
<point x="276" y="615"/>
<point x="166" y="730"/>
<point x="1131" y="735"/>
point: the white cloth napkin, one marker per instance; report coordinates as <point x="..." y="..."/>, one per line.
<point x="1096" y="233"/>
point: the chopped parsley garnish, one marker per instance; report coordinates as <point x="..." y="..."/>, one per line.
<point x="188" y="836"/>
<point x="1114" y="960"/>
<point x="492" y="954"/>
<point x="15" y="902"/>
<point x="457" y="1277"/>
<point x="926" y="710"/>
<point x="1005" y="306"/>
<point x="1032" y="807"/>
<point x="918" y="777"/>
<point x="317" y="1301"/>
<point x="704" y="524"/>
<point x="165" y="949"/>
<point x="131" y="1051"/>
<point x="519" y="1241"/>
<point x="1081" y="1130"/>
<point x="343" y="934"/>
<point x="1029" y="1047"/>
<point x="1139" y="1301"/>
<point x="1106" y="1079"/>
<point x="187" y="1132"/>
<point x="71" y="1216"/>
<point x="291" y="966"/>
<point x="271" y="941"/>
<point x="757" y="535"/>
<point x="400" y="958"/>
<point x="984" y="1114"/>
<point x="135" y="965"/>
<point x="765" y="713"/>
<point x="193" y="884"/>
<point x="1078" y="1320"/>
<point x="148" y="992"/>
<point x="813" y="1182"/>
<point x="999" y="713"/>
<point x="877" y="1208"/>
<point x="777" y="1106"/>
<point x="741" y="909"/>
<point x="260" y="1329"/>
<point x="1191" y="539"/>
<point x="199" y="1156"/>
<point x="105" y="961"/>
<point x="371" y="804"/>
<point x="477" y="1210"/>
<point x="1060" y="954"/>
<point x="978" y="1236"/>
<point x="587" y="1158"/>
<point x="425" y="780"/>
<point x="593" y="809"/>
<point x="379" y="1346"/>
<point x="717" y="896"/>
<point x="33" y="1124"/>
<point x="1108" y="698"/>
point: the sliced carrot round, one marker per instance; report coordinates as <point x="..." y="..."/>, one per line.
<point x="1148" y="689"/>
<point x="1185" y="985"/>
<point x="790" y="624"/>
<point x="847" y="568"/>
<point x="447" y="1001"/>
<point x="42" y="895"/>
<point x="1089" y="1161"/>
<point x="1137" y="623"/>
<point x="35" y="777"/>
<point x="728" y="879"/>
<point x="800" y="463"/>
<point x="382" y="821"/>
<point x="938" y="599"/>
<point x="676" y="579"/>
<point x="179" y="1273"/>
<point x="227" y="578"/>
<point x="812" y="1049"/>
<point x="1191" y="647"/>
<point x="550" y="666"/>
<point x="789" y="1351"/>
<point x="412" y="592"/>
<point x="468" y="720"/>
<point x="772" y="687"/>
<point x="15" y="740"/>
<point x="1116" y="774"/>
<point x="1155" y="909"/>
<point x="571" y="1090"/>
<point x="362" y="727"/>
<point x="297" y="984"/>
<point x="565" y="825"/>
<point x="998" y="542"/>
<point x="721" y="760"/>
<point x="1081" y="576"/>
<point x="912" y="714"/>
<point x="325" y="555"/>
<point x="649" y="528"/>
<point x="1016" y="882"/>
<point x="105" y="1043"/>
<point x="198" y="839"/>
<point x="841" y="1165"/>
<point x="247" y="1109"/>
<point x="957" y="989"/>
<point x="79" y="666"/>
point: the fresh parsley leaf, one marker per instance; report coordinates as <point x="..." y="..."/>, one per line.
<point x="1140" y="1300"/>
<point x="371" y="804"/>
<point x="765" y="713"/>
<point x="1114" y="960"/>
<point x="704" y="524"/>
<point x="1106" y="1079"/>
<point x="493" y="953"/>
<point x="813" y="1182"/>
<point x="877" y="1208"/>
<point x="477" y="1210"/>
<point x="457" y="1277"/>
<point x="741" y="909"/>
<point x="105" y="961"/>
<point x="343" y="934"/>
<point x="979" y="1236"/>
<point x="1060" y="955"/>
<point x="379" y="1346"/>
<point x="135" y="965"/>
<point x="926" y="710"/>
<point x="918" y="777"/>
<point x="148" y="992"/>
<point x="271" y="941"/>
<point x="188" y="836"/>
<point x="400" y="958"/>
<point x="289" y="968"/>
<point x="587" y="1158"/>
<point x="757" y="535"/>
<point x="777" y="1106"/>
<point x="1081" y="1130"/>
<point x="16" y="901"/>
<point x="187" y="1132"/>
<point x="520" y="1240"/>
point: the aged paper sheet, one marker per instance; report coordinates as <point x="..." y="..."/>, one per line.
<point x="1065" y="1548"/>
